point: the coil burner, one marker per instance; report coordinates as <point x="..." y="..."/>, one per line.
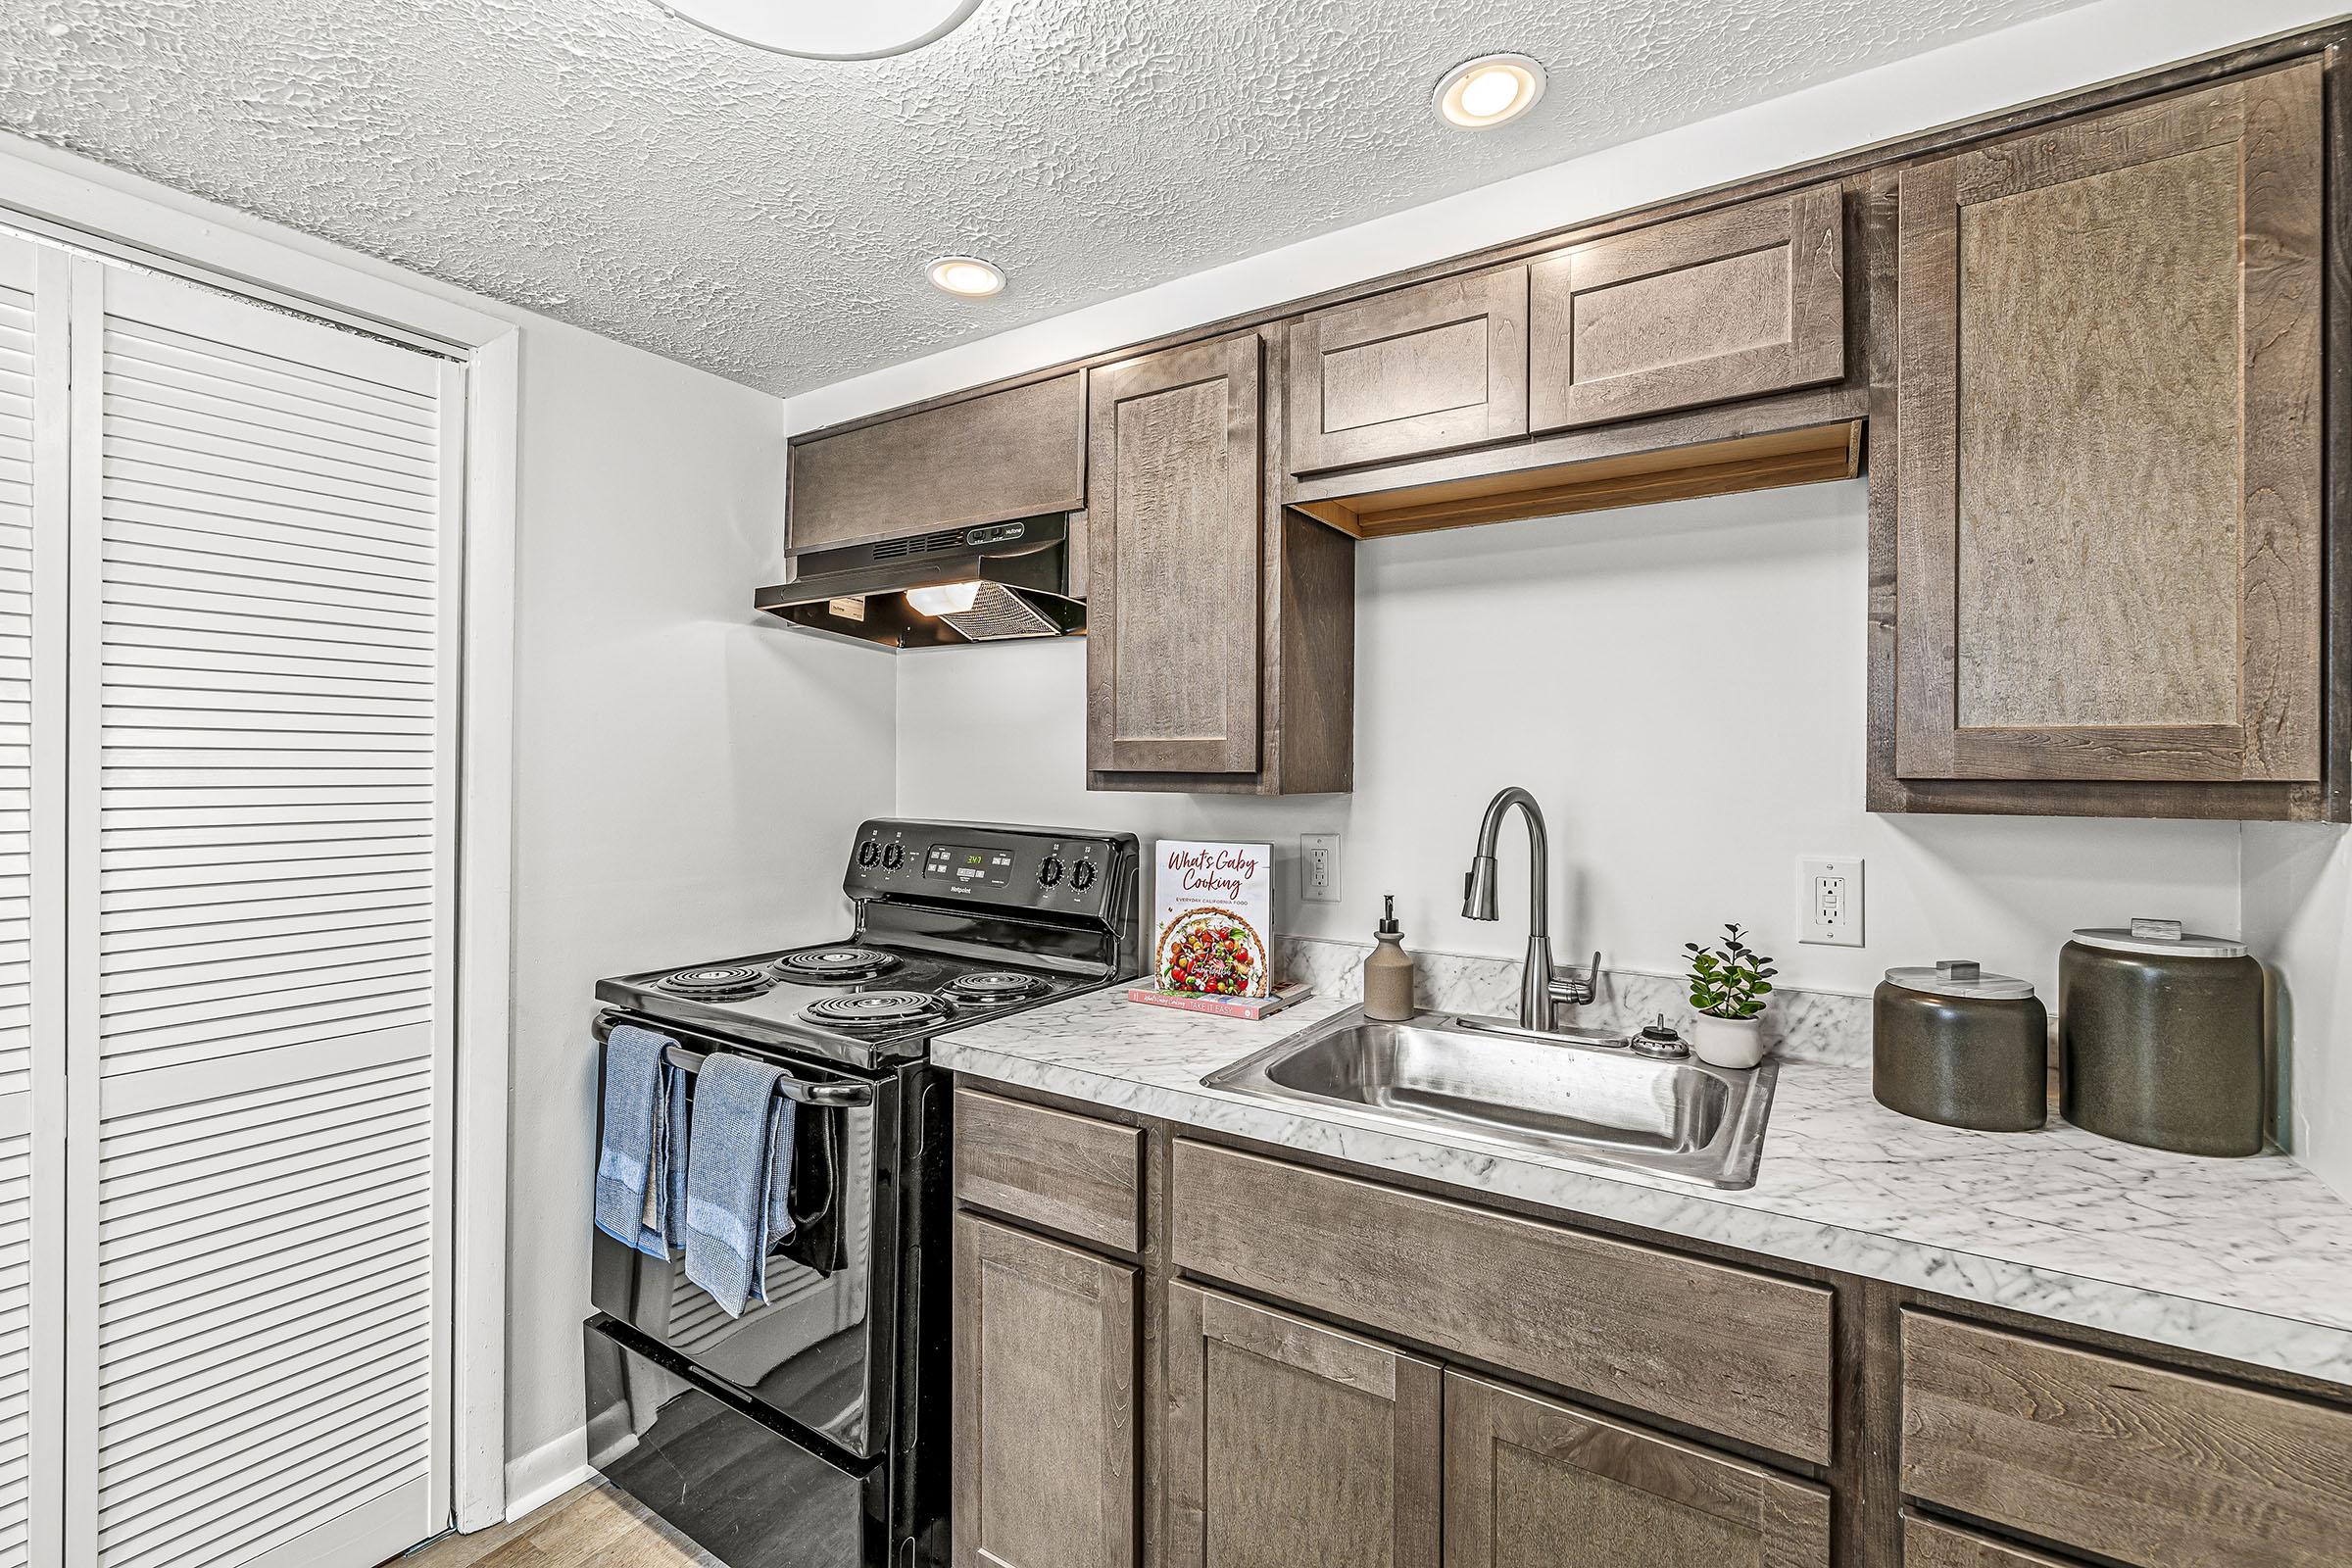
<point x="877" y="1009"/>
<point x="994" y="987"/>
<point x="834" y="963"/>
<point x="732" y="982"/>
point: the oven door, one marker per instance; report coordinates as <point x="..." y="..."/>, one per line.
<point x="819" y="1352"/>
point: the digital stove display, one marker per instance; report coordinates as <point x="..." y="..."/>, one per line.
<point x="967" y="864"/>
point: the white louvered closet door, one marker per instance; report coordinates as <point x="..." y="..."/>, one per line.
<point x="263" y="638"/>
<point x="33" y="283"/>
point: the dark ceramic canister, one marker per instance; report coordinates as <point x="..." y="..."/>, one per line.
<point x="1954" y="1044"/>
<point x="2160" y="1038"/>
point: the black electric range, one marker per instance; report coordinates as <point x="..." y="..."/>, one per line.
<point x="811" y="1432"/>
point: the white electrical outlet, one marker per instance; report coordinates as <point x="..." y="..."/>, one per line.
<point x="1829" y="900"/>
<point x="1319" y="867"/>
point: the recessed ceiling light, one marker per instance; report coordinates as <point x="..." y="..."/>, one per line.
<point x="967" y="276"/>
<point x="1489" y="90"/>
<point x="824" y="30"/>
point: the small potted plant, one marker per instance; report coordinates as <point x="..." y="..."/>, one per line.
<point x="1728" y="986"/>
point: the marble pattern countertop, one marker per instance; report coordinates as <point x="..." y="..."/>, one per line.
<point x="2250" y="1260"/>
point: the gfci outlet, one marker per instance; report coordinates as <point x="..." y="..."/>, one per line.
<point x="1319" y="867"/>
<point x="1828" y="895"/>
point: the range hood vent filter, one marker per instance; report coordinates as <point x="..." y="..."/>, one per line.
<point x="997" y="613"/>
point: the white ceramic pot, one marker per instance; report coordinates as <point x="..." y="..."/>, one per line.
<point x="1728" y="1042"/>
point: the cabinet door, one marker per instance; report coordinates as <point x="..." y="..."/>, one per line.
<point x="1291" y="1445"/>
<point x="1730" y="304"/>
<point x="1010" y="453"/>
<point x="1044" y="1341"/>
<point x="2108" y="447"/>
<point x="1534" y="1484"/>
<point x="1173" y="635"/>
<point x="1406" y="375"/>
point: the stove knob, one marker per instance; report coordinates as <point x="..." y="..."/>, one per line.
<point x="868" y="852"/>
<point x="894" y="858"/>
<point x="1082" y="875"/>
<point x="1049" y="871"/>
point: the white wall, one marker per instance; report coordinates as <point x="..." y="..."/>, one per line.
<point x="2298" y="899"/>
<point x="687" y="773"/>
<point x="1680" y="685"/>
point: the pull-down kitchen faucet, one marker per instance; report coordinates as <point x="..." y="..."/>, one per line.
<point x="1540" y="984"/>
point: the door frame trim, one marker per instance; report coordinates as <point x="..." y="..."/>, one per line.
<point x="58" y="196"/>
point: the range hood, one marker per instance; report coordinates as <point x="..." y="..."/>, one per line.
<point x="1026" y="578"/>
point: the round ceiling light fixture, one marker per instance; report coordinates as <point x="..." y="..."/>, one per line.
<point x="826" y="30"/>
<point x="1487" y="91"/>
<point x="965" y="277"/>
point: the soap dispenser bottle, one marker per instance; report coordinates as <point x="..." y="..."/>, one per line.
<point x="1389" y="971"/>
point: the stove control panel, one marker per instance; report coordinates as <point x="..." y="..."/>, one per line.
<point x="1005" y="868"/>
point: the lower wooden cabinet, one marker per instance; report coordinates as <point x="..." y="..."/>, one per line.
<point x="1045" y="1369"/>
<point x="1931" y="1543"/>
<point x="1530" y="1483"/>
<point x="2137" y="1464"/>
<point x="1291" y="1445"/>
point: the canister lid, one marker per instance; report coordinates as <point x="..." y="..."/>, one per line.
<point x="1962" y="980"/>
<point x="2162" y="937"/>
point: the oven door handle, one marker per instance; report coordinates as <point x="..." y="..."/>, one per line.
<point x="849" y="1096"/>
<point x="791" y="1088"/>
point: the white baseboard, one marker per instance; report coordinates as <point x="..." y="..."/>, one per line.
<point x="545" y="1473"/>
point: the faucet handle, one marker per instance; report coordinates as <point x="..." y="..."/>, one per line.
<point x="1578" y="993"/>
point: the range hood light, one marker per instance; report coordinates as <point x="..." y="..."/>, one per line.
<point x="947" y="599"/>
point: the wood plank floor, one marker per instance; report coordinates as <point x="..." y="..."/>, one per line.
<point x="591" y="1526"/>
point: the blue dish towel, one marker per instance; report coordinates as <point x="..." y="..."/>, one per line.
<point x="641" y="1165"/>
<point x="738" y="1180"/>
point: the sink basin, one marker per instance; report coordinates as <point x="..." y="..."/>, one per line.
<point x="1579" y="1095"/>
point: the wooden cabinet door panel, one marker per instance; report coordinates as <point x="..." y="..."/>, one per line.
<point x="1422" y="371"/>
<point x="1291" y="1445"/>
<point x="1010" y="453"/>
<point x="1045" y="1368"/>
<point x="1728" y="304"/>
<point x="2134" y="1463"/>
<point x="1933" y="1543"/>
<point x="1173" y="619"/>
<point x="1530" y="1483"/>
<point x="1636" y="1325"/>
<point x="2108" y="448"/>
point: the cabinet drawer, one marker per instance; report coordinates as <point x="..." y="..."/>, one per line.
<point x="1010" y="453"/>
<point x="1422" y="371"/>
<point x="2159" y="1468"/>
<point x="1728" y="304"/>
<point x="1694" y="1342"/>
<point x="1069" y="1173"/>
<point x="1931" y="1543"/>
<point x="1530" y="1483"/>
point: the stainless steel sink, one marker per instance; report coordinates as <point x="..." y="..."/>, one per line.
<point x="1577" y="1095"/>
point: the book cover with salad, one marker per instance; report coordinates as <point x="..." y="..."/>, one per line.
<point x="1215" y="911"/>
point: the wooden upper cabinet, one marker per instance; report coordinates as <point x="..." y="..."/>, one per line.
<point x="1530" y="1483"/>
<point x="2108" y="445"/>
<point x="1018" y="452"/>
<point x="1045" y="1372"/>
<point x="1728" y="304"/>
<point x="1174" y="525"/>
<point x="1289" y="1443"/>
<point x="1422" y="371"/>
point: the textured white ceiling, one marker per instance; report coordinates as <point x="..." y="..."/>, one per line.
<point x="764" y="218"/>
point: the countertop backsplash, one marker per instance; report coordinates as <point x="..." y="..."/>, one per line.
<point x="1823" y="1026"/>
